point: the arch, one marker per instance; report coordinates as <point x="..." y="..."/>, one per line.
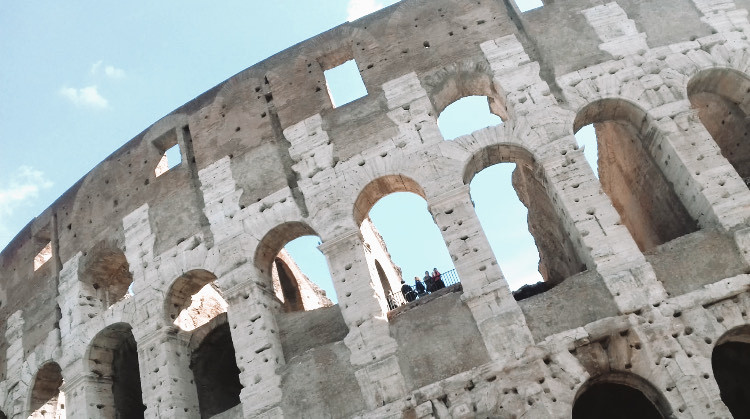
<point x="721" y="98"/>
<point x="106" y="272"/>
<point x="380" y="187"/>
<point x="730" y="361"/>
<point x="558" y="257"/>
<point x="113" y="358"/>
<point x="459" y="80"/>
<point x="47" y="400"/>
<point x="620" y="395"/>
<point x="640" y="192"/>
<point x="180" y="307"/>
<point x="275" y="240"/>
<point x="216" y="373"/>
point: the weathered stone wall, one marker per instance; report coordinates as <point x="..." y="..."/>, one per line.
<point x="266" y="158"/>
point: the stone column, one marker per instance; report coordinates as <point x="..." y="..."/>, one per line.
<point x="166" y="379"/>
<point x="708" y="185"/>
<point x="18" y="388"/>
<point x="257" y="346"/>
<point x="373" y="350"/>
<point x="595" y="229"/>
<point x="87" y="396"/>
<point x="500" y="320"/>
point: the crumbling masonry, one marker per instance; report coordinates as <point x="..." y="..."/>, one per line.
<point x="650" y="260"/>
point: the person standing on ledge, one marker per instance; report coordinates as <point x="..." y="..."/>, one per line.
<point x="419" y="285"/>
<point x="409" y="294"/>
<point x="437" y="280"/>
<point x="429" y="283"/>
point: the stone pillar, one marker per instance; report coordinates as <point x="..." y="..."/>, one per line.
<point x="18" y="388"/>
<point x="708" y="185"/>
<point x="500" y="320"/>
<point x="257" y="346"/>
<point x="87" y="396"/>
<point x="595" y="229"/>
<point x="166" y="379"/>
<point x="373" y="350"/>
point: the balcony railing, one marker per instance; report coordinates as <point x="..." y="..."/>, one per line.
<point x="397" y="299"/>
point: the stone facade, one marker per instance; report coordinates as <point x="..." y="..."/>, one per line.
<point x="650" y="260"/>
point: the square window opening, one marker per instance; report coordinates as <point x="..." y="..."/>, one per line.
<point x="526" y="5"/>
<point x="43" y="256"/>
<point x="171" y="155"/>
<point x="344" y="83"/>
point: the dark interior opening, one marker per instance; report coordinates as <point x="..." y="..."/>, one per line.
<point x="731" y="365"/>
<point x="217" y="377"/>
<point x="126" y="380"/>
<point x="614" y="401"/>
<point x="46" y="387"/>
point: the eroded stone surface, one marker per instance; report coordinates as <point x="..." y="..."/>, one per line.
<point x="266" y="158"/>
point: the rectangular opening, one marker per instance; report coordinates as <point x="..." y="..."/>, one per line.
<point x="526" y="5"/>
<point x="171" y="155"/>
<point x="344" y="83"/>
<point x="43" y="256"/>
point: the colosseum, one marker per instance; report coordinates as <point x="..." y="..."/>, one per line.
<point x="144" y="292"/>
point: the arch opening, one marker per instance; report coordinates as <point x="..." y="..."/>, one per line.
<point x="47" y="400"/>
<point x="106" y="276"/>
<point x="113" y="357"/>
<point x="194" y="299"/>
<point x="217" y="377"/>
<point x="640" y="192"/>
<point x="730" y="361"/>
<point x="466" y="115"/>
<point x="298" y="272"/>
<point x="406" y="246"/>
<point x="721" y="98"/>
<point x="616" y="401"/>
<point x="520" y="220"/>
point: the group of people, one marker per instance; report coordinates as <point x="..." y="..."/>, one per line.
<point x="430" y="283"/>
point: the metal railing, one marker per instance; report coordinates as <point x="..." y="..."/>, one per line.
<point x="397" y="299"/>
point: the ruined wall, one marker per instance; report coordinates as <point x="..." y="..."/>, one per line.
<point x="266" y="158"/>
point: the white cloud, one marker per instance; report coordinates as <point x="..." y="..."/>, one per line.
<point x="113" y="72"/>
<point x="96" y="66"/>
<point x="109" y="70"/>
<point x="87" y="96"/>
<point x="22" y="188"/>
<point x="358" y="8"/>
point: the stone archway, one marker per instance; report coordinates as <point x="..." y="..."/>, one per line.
<point x="113" y="358"/>
<point x="730" y="361"/>
<point x="620" y="396"/>
<point x="216" y="373"/>
<point x="47" y="401"/>
<point x="640" y="192"/>
<point x="721" y="98"/>
<point x="558" y="258"/>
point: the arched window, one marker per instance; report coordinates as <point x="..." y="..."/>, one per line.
<point x="193" y="300"/>
<point x="465" y="116"/>
<point x="113" y="357"/>
<point x="721" y="98"/>
<point x="620" y="396"/>
<point x="406" y="242"/>
<point x="519" y="218"/>
<point x="106" y="273"/>
<point x="296" y="269"/>
<point x="47" y="401"/>
<point x="731" y="365"/>
<point x="639" y="191"/>
<point x="216" y="373"/>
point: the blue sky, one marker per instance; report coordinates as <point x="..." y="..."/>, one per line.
<point x="79" y="79"/>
